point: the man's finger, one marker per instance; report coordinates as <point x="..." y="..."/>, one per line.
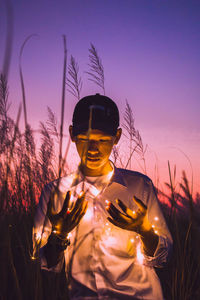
<point x="80" y="216"/>
<point x="78" y="202"/>
<point x="116" y="223"/>
<point x="122" y="206"/>
<point x="117" y="215"/>
<point x="65" y="204"/>
<point x="140" y="204"/>
<point x="113" y="211"/>
<point x="75" y="213"/>
<point x="125" y="209"/>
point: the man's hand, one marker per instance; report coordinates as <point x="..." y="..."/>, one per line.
<point x="135" y="221"/>
<point x="129" y="220"/>
<point x="67" y="219"/>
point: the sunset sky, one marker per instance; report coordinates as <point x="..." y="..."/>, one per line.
<point x="150" y="50"/>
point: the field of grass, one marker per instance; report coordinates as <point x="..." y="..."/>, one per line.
<point x="25" y="168"/>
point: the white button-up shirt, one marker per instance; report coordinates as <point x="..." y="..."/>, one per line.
<point x="104" y="261"/>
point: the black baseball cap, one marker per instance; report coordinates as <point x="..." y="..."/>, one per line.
<point x="103" y="111"/>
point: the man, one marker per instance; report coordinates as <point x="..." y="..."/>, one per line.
<point x="104" y="222"/>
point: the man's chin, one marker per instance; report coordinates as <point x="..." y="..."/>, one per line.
<point x="93" y="163"/>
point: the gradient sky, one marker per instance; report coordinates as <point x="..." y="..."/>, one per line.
<point x="150" y="51"/>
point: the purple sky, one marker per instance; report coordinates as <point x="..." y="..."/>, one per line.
<point x="150" y="50"/>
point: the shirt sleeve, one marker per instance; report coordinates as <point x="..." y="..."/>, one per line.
<point x="42" y="229"/>
<point x="156" y="218"/>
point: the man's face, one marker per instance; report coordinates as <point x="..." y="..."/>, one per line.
<point x="95" y="149"/>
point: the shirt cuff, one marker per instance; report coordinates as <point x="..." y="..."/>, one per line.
<point x="160" y="257"/>
<point x="43" y="262"/>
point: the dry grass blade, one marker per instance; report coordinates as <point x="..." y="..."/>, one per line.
<point x="46" y="153"/>
<point x="22" y="79"/>
<point x="52" y="123"/>
<point x="63" y="105"/>
<point x="16" y="131"/>
<point x="115" y="153"/>
<point x="4" y="104"/>
<point x="187" y="194"/>
<point x="9" y="37"/>
<point x="135" y="139"/>
<point x="96" y="68"/>
<point x="172" y="188"/>
<point x="75" y="83"/>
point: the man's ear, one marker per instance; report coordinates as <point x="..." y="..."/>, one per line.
<point x="71" y="133"/>
<point x="118" y="135"/>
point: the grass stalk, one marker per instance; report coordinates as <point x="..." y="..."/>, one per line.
<point x="62" y="106"/>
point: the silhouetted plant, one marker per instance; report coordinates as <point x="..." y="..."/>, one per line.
<point x="134" y="137"/>
<point x="75" y="83"/>
<point x="62" y="107"/>
<point x="52" y="124"/>
<point x="46" y="154"/>
<point x="96" y="68"/>
<point x="185" y="228"/>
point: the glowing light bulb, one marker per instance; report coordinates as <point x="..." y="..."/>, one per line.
<point x="132" y="240"/>
<point x="107" y="204"/>
<point x="33" y="258"/>
<point x="156" y="219"/>
<point x="140" y="256"/>
<point x="81" y="194"/>
<point x="153" y="226"/>
<point x="38" y="236"/>
<point x="156" y="231"/>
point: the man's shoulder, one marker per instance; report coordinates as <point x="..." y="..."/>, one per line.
<point x="137" y="183"/>
<point x="134" y="175"/>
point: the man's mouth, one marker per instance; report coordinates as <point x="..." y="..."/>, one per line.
<point x="93" y="158"/>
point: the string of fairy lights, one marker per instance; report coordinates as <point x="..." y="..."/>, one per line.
<point x="41" y="235"/>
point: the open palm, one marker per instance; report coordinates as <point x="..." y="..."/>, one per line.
<point x="128" y="219"/>
<point x="67" y="219"/>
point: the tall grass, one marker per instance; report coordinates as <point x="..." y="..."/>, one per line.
<point x="134" y="138"/>
<point x="96" y="72"/>
<point x="24" y="170"/>
<point x="183" y="219"/>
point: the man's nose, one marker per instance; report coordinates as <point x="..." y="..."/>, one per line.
<point x="93" y="146"/>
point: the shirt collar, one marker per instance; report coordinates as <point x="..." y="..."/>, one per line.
<point x="117" y="177"/>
